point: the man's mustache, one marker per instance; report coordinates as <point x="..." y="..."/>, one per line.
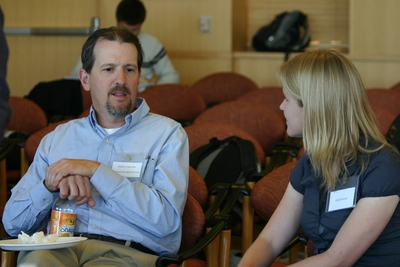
<point x="119" y="89"/>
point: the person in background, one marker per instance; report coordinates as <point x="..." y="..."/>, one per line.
<point x="127" y="169"/>
<point x="5" y="110"/>
<point x="344" y="191"/>
<point x="157" y="67"/>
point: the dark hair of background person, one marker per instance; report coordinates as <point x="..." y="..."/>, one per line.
<point x="111" y="34"/>
<point x="132" y="12"/>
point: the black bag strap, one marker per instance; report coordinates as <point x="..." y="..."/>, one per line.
<point x="249" y="158"/>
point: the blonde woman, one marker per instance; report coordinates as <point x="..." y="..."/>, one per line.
<point x="344" y="192"/>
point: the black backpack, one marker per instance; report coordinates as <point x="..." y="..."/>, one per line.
<point x="231" y="160"/>
<point x="284" y="34"/>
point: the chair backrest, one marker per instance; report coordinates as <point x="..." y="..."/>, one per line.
<point x="271" y="97"/>
<point x="268" y="191"/>
<point x="175" y="101"/>
<point x="197" y="187"/>
<point x="385" y="99"/>
<point x="384" y="118"/>
<point x="27" y="116"/>
<point x="223" y="86"/>
<point x="200" y="134"/>
<point x="261" y="122"/>
<point x="193" y="223"/>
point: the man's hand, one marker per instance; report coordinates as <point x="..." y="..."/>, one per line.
<point x="72" y="177"/>
<point x="78" y="188"/>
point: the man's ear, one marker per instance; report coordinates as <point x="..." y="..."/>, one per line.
<point x="85" y="78"/>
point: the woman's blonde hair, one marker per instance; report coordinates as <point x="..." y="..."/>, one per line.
<point x="338" y="124"/>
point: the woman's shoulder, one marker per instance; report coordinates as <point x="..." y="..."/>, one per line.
<point x="301" y="171"/>
<point x="381" y="177"/>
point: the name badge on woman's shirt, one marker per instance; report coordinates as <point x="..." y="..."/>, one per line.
<point x="127" y="169"/>
<point x="345" y="195"/>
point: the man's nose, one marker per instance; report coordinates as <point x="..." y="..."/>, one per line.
<point x="120" y="77"/>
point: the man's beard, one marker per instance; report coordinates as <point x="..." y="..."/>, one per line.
<point x="122" y="111"/>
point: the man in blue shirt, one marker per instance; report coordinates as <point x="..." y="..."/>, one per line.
<point x="126" y="168"/>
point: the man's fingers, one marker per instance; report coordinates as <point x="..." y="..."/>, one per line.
<point x="78" y="188"/>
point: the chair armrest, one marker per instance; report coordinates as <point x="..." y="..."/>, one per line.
<point x="8" y="258"/>
<point x="300" y="237"/>
<point x="217" y="223"/>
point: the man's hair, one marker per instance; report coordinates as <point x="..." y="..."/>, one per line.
<point x="111" y="34"/>
<point x="132" y="12"/>
<point x="338" y="123"/>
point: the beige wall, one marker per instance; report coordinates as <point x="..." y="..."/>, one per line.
<point x="43" y="58"/>
<point x="373" y="37"/>
<point x="193" y="54"/>
<point x="375" y="27"/>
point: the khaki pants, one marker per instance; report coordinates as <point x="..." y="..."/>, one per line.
<point x="87" y="253"/>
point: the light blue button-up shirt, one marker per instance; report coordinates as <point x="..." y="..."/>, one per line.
<point x="146" y="209"/>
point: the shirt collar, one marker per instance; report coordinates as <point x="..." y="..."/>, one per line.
<point x="141" y="110"/>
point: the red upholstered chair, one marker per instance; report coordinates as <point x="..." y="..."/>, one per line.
<point x="223" y="86"/>
<point x="271" y="97"/>
<point x="261" y="122"/>
<point x="268" y="192"/>
<point x="384" y="118"/>
<point x="201" y="133"/>
<point x="32" y="142"/>
<point x="197" y="187"/>
<point x="176" y="101"/>
<point x="193" y="222"/>
<point x="395" y="87"/>
<point x="385" y="99"/>
<point x="27" y="117"/>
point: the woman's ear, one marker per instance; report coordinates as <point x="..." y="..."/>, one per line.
<point x="84" y="77"/>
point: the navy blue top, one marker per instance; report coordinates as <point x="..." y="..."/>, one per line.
<point x="381" y="178"/>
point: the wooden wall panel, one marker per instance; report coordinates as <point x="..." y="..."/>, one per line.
<point x="195" y="66"/>
<point x="240" y="14"/>
<point x="375" y="72"/>
<point x="43" y="58"/>
<point x="260" y="67"/>
<point x="378" y="72"/>
<point x="375" y="27"/>
<point x="176" y="24"/>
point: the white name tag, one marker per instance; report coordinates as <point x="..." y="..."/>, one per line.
<point x="345" y="195"/>
<point x="341" y="199"/>
<point x="127" y="169"/>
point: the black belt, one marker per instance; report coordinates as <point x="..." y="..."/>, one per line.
<point x="131" y="244"/>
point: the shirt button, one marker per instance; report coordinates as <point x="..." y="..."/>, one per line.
<point x="94" y="226"/>
<point x="108" y="141"/>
